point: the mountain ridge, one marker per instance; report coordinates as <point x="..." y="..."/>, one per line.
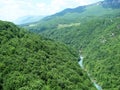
<point x="80" y="9"/>
<point x="68" y="10"/>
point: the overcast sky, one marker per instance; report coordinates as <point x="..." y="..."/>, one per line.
<point x="10" y="10"/>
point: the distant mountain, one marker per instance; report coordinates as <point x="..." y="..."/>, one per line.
<point x="68" y="10"/>
<point x="71" y="10"/>
<point x="28" y="19"/>
<point x="75" y="15"/>
<point x="111" y="3"/>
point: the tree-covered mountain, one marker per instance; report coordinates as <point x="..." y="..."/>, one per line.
<point x="98" y="40"/>
<point x="79" y="14"/>
<point x="31" y="62"/>
<point x="96" y="32"/>
<point x="68" y="10"/>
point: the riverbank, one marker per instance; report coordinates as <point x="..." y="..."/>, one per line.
<point x="98" y="87"/>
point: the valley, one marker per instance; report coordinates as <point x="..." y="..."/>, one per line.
<point x="97" y="36"/>
<point x="74" y="49"/>
<point x="98" y="87"/>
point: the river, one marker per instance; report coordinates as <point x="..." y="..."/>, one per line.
<point x="98" y="87"/>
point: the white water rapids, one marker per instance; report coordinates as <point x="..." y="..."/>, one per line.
<point x="98" y="87"/>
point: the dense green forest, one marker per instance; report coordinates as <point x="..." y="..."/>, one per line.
<point x="31" y="62"/>
<point x="98" y="40"/>
<point x="96" y="33"/>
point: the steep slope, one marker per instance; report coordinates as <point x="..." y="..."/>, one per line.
<point x="95" y="32"/>
<point x="98" y="39"/>
<point x="31" y="62"/>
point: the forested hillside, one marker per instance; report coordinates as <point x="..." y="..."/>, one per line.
<point x="98" y="39"/>
<point x="31" y="62"/>
<point x="96" y="32"/>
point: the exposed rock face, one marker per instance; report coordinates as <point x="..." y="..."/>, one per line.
<point x="111" y="3"/>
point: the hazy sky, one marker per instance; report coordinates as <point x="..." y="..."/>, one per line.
<point x="13" y="9"/>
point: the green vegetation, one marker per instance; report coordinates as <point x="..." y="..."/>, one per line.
<point x="31" y="62"/>
<point x="99" y="40"/>
<point x="72" y="18"/>
<point x="97" y="36"/>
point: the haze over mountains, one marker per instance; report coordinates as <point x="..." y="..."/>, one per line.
<point x="97" y="9"/>
<point x="28" y="19"/>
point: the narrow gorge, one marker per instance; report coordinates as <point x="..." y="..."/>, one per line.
<point x="98" y="87"/>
